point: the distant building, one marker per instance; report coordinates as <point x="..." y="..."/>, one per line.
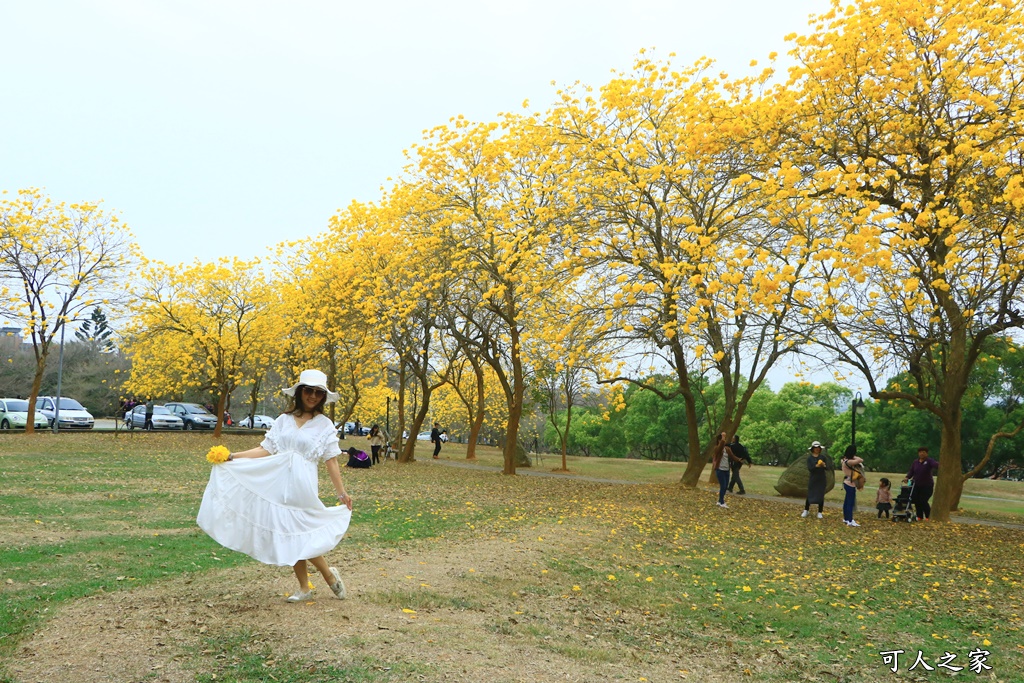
<point x="11" y="335"/>
<point x="12" y="340"/>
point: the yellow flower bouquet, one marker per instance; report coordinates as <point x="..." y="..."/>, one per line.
<point x="218" y="454"/>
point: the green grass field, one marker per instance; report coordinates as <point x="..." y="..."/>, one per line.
<point x="533" y="578"/>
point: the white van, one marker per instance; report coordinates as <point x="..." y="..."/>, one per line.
<point x="73" y="414"/>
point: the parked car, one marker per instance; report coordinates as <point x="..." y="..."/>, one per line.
<point x="162" y="418"/>
<point x="14" y="414"/>
<point x="262" y="422"/>
<point x="425" y="436"/>
<point x="350" y="428"/>
<point x="193" y="415"/>
<point x="73" y="414"/>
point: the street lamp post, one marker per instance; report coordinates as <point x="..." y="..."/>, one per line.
<point x="858" y="409"/>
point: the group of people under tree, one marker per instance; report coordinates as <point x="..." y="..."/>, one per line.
<point x="730" y="456"/>
<point x="921" y="473"/>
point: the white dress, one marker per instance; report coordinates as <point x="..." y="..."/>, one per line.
<point x="269" y="508"/>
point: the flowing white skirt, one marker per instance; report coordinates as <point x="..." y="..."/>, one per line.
<point x="269" y="509"/>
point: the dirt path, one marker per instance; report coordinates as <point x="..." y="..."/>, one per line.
<point x="438" y="611"/>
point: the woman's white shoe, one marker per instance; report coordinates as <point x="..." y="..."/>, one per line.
<point x="338" y="586"/>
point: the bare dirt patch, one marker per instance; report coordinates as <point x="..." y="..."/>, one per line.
<point x="453" y="610"/>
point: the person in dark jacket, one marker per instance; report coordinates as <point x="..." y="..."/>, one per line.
<point x="435" y="438"/>
<point x="921" y="471"/>
<point x="742" y="455"/>
<point x="817" y="481"/>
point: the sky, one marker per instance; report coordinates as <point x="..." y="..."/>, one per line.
<point x="221" y="127"/>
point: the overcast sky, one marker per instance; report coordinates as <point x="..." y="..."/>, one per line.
<point x="222" y="127"/>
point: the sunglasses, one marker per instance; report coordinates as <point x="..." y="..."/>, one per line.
<point x="314" y="391"/>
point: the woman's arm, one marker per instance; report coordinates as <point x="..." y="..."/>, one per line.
<point x="258" y="452"/>
<point x="335" y="474"/>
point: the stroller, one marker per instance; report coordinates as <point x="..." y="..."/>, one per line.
<point x="903" y="506"/>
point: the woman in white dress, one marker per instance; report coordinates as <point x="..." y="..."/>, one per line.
<point x="264" y="502"/>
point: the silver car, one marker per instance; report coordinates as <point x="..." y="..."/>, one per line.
<point x="162" y="419"/>
<point x="193" y="415"/>
<point x="14" y="414"/>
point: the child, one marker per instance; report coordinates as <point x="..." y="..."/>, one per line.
<point x="883" y="501"/>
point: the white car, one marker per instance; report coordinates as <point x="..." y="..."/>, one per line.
<point x="73" y="414"/>
<point x="14" y="414"/>
<point x="425" y="436"/>
<point x="262" y="422"/>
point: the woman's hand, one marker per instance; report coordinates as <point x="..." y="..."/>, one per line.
<point x="345" y="499"/>
<point x="258" y="452"/>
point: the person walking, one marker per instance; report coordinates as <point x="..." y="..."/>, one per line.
<point x="435" y="438"/>
<point x="741" y="455"/>
<point x="376" y="443"/>
<point x="264" y="502"/>
<point x="921" y="472"/>
<point x="850" y="483"/>
<point x="720" y="463"/>
<point x="817" y="464"/>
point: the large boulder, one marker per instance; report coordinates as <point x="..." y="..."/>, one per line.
<point x="793" y="482"/>
<point x="522" y="459"/>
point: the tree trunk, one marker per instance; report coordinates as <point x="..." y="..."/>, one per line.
<point x="399" y="440"/>
<point x="515" y="413"/>
<point x="417" y="424"/>
<point x="565" y="452"/>
<point x="222" y="404"/>
<point x="697" y="460"/>
<point x="949" y="483"/>
<point x="515" y="408"/>
<point x="254" y="395"/>
<point x="37" y="382"/>
<point x="478" y="419"/>
<point x="565" y="438"/>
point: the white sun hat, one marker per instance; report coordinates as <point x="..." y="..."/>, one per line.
<point x="315" y="379"/>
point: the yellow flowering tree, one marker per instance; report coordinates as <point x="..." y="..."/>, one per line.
<point x="401" y="288"/>
<point x="57" y="261"/>
<point x="504" y="215"/>
<point x="910" y="130"/>
<point x="473" y="397"/>
<point x="326" y="327"/>
<point x="568" y="359"/>
<point x="687" y="258"/>
<point x="204" y="326"/>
